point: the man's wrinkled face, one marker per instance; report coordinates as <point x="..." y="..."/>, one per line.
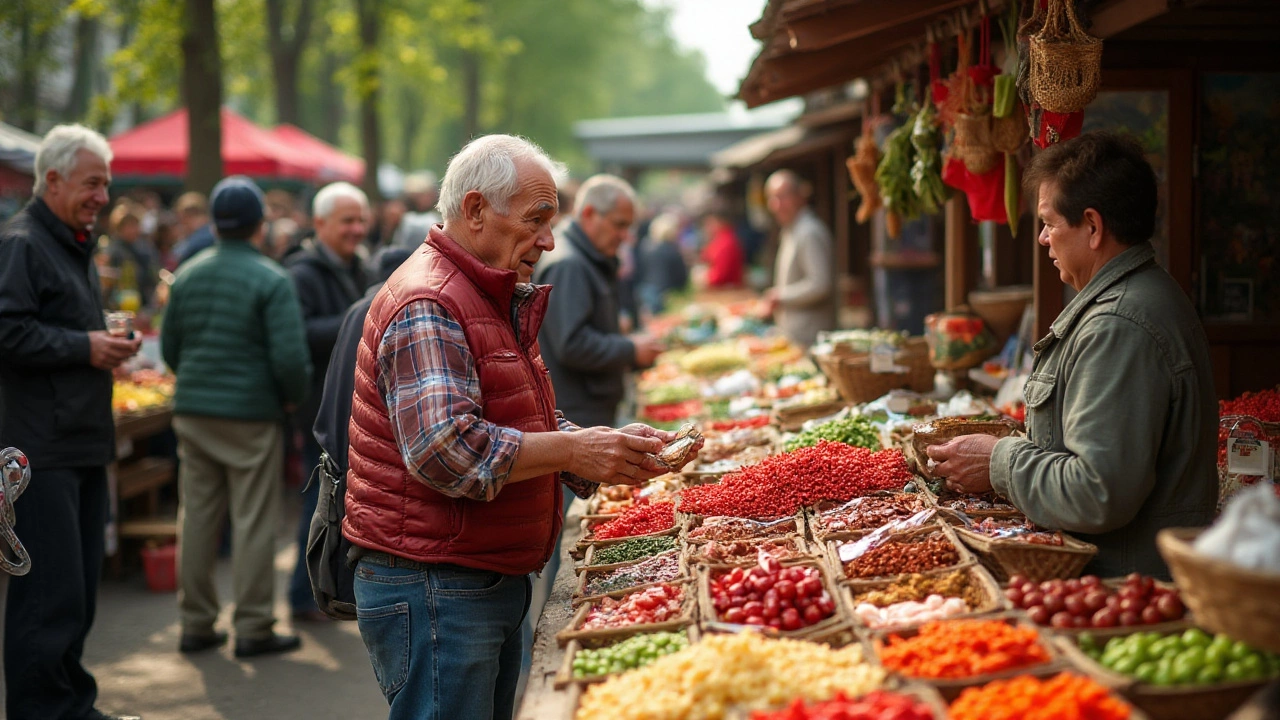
<point x="78" y="198"/>
<point x="344" y="228"/>
<point x="1068" y="246"/>
<point x="516" y="240"/>
<point x="607" y="231"/>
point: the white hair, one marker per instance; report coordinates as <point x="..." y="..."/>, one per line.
<point x="59" y="149"/>
<point x="602" y="192"/>
<point x="487" y="165"/>
<point x="328" y="196"/>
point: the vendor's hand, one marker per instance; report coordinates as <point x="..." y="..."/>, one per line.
<point x="964" y="462"/>
<point x="770" y="302"/>
<point x="107" y="352"/>
<point x="605" y="455"/>
<point x="647" y="349"/>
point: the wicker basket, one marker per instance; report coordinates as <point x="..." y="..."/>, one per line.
<point x="940" y="431"/>
<point x="792" y="418"/>
<point x="993" y="598"/>
<point x="856" y="383"/>
<point x="922" y="693"/>
<point x="1066" y="62"/>
<point x="1037" y="563"/>
<point x="574" y="630"/>
<point x="1163" y="702"/>
<point x="564" y="676"/>
<point x="940" y="502"/>
<point x="966" y="558"/>
<point x="1009" y="134"/>
<point x="972" y="144"/>
<point x="1225" y="599"/>
<point x="951" y="688"/>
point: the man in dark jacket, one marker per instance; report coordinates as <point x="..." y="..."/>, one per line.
<point x="330" y="279"/>
<point x="581" y="342"/>
<point x="56" y="359"/>
<point x="233" y="336"/>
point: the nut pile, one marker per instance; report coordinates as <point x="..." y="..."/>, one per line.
<point x="914" y="555"/>
<point x="918" y="587"/>
<point x="869" y="513"/>
<point x="634" y="549"/>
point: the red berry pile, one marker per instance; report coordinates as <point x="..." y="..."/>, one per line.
<point x="1263" y="405"/>
<point x="751" y="422"/>
<point x="783" y="598"/>
<point x="652" y="605"/>
<point x="779" y="485"/>
<point x="876" y="705"/>
<point x="1087" y="603"/>
<point x="639" y="520"/>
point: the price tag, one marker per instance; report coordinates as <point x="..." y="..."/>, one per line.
<point x="1247" y="456"/>
<point x="882" y="360"/>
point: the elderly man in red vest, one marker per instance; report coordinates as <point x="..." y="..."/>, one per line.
<point x="457" y="452"/>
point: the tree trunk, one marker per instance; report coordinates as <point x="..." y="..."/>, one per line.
<point x="367" y="83"/>
<point x="28" y="69"/>
<point x="330" y="97"/>
<point x="470" y="95"/>
<point x="85" y="66"/>
<point x="411" y="121"/>
<point x="202" y="90"/>
<point x="286" y="54"/>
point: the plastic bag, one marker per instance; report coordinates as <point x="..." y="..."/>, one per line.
<point x="856" y="549"/>
<point x="1248" y="533"/>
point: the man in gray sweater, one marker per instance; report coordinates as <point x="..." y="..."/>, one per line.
<point x="582" y="344"/>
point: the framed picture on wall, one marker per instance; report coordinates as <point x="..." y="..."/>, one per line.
<point x="1237" y="299"/>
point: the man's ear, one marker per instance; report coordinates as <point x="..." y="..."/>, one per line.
<point x="1097" y="228"/>
<point x="473" y="205"/>
<point x="51" y="177"/>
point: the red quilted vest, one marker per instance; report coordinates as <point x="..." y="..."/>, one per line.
<point x="390" y="510"/>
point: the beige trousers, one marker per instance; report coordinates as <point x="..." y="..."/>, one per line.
<point x="236" y="464"/>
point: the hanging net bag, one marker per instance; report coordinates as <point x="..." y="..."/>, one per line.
<point x="1066" y="62"/>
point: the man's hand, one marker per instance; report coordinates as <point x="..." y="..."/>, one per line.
<point x="107" y="352"/>
<point x="770" y="302"/>
<point x="965" y="462"/>
<point x="647" y="349"/>
<point x="614" y="457"/>
<point x="665" y="436"/>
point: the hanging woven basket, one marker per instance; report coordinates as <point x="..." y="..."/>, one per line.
<point x="1009" y="133"/>
<point x="1066" y="62"/>
<point x="972" y="142"/>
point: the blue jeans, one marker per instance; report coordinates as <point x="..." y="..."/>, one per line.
<point x="444" y="642"/>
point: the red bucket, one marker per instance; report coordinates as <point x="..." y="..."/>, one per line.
<point x="161" y="567"/>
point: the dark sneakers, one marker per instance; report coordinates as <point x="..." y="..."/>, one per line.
<point x="270" y="645"/>
<point x="194" y="643"/>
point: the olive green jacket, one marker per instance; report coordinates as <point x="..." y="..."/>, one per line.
<point x="1121" y="419"/>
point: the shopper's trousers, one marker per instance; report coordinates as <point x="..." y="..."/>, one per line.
<point x="236" y="464"/>
<point x="61" y="520"/>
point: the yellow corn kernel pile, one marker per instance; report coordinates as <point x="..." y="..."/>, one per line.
<point x="723" y="671"/>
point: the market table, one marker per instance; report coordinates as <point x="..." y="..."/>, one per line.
<point x="541" y="700"/>
<point x="132" y="477"/>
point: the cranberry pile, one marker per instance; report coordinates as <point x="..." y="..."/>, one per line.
<point x="783" y="598"/>
<point x="652" y="605"/>
<point x="781" y="484"/>
<point x="1088" y="603"/>
<point x="1263" y="405"/>
<point x="639" y="520"/>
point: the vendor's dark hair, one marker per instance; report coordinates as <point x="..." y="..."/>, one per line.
<point x="1103" y="171"/>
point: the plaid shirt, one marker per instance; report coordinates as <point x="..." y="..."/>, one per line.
<point x="428" y="380"/>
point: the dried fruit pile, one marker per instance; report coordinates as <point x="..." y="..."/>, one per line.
<point x="659" y="568"/>
<point x="1026" y="698"/>
<point x="878" y="705"/>
<point x="780" y="485"/>
<point x="639" y="520"/>
<point x="951" y="649"/>
<point x="914" y="555"/>
<point x="652" y="605"/>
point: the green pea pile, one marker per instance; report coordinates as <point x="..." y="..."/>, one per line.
<point x="1191" y="658"/>
<point x="632" y="550"/>
<point x="630" y="654"/>
<point x="857" y="431"/>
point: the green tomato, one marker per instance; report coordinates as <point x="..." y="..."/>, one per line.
<point x="1210" y="674"/>
<point x="1218" y="653"/>
<point x="1194" y="654"/>
<point x="1087" y="641"/>
<point x="1236" y="671"/>
<point x="1240" y="651"/>
<point x="1126" y="665"/>
<point x="1114" y="642"/>
<point x="1185" y="672"/>
<point x="1163" y="676"/>
<point x="1253" y="667"/>
<point x="1157" y="648"/>
<point x="1195" y="637"/>
<point x="1146" y="672"/>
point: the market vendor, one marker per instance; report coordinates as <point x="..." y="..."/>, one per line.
<point x="1121" y="412"/>
<point x="803" y="296"/>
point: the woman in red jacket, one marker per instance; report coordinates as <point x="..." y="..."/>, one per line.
<point x="723" y="252"/>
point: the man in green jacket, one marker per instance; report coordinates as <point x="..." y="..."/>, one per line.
<point x="1121" y="411"/>
<point x="234" y="337"/>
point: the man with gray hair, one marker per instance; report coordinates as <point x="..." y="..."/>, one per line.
<point x="586" y="351"/>
<point x="56" y="358"/>
<point x="330" y="278"/>
<point x="456" y="450"/>
<point x="802" y="298"/>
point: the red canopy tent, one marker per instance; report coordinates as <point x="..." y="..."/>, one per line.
<point x="160" y="148"/>
<point x="334" y="164"/>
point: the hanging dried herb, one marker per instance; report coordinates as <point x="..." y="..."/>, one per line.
<point x="894" y="175"/>
<point x="926" y="170"/>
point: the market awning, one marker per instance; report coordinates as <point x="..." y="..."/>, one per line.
<point x="333" y="163"/>
<point x="159" y="149"/>
<point x="18" y="148"/>
<point x="778" y="146"/>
